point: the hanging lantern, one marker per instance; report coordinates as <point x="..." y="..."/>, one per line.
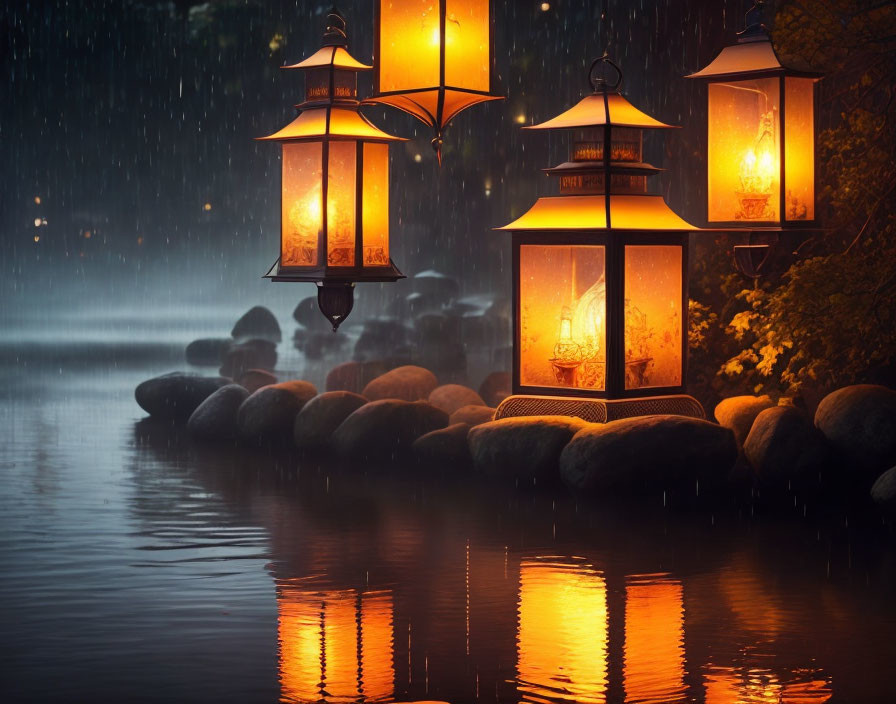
<point x="600" y="276"/>
<point x="433" y="59"/>
<point x="761" y="141"/>
<point x="335" y="184"/>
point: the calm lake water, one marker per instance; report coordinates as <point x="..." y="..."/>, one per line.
<point x="136" y="566"/>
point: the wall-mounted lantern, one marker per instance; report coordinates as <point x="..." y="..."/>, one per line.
<point x="600" y="276"/>
<point x="335" y="184"/>
<point x="433" y="59"/>
<point x="760" y="142"/>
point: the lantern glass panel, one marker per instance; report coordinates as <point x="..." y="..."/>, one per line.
<point x="653" y="316"/>
<point x="410" y="45"/>
<point x="341" y="186"/>
<point x="375" y="205"/>
<point x="744" y="162"/>
<point x="302" y="204"/>
<point x="799" y="148"/>
<point x="467" y="47"/>
<point x="563" y="316"/>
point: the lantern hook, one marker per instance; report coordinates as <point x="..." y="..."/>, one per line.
<point x="753" y="23"/>
<point x="335" y="34"/>
<point x="599" y="83"/>
<point x="437" y="146"/>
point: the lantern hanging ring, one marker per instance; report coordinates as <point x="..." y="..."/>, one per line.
<point x="599" y="83"/>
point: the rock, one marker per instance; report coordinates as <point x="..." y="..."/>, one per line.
<point x="354" y="376"/>
<point x="784" y="447"/>
<point x="308" y="314"/>
<point x="386" y="428"/>
<point x="408" y="383"/>
<point x="445" y="447"/>
<point x="884" y="490"/>
<point x="648" y="455"/>
<point x="451" y="397"/>
<point x="380" y="339"/>
<point x="860" y="422"/>
<point x="208" y="351"/>
<point x="254" y="379"/>
<point x="252" y="354"/>
<point x="317" y="345"/>
<point x="175" y="396"/>
<point x="473" y="415"/>
<point x="431" y="282"/>
<point x="739" y="412"/>
<point x="438" y="343"/>
<point x="215" y="418"/>
<point x="525" y="449"/>
<point x="319" y="418"/>
<point x="495" y="388"/>
<point x="257" y="324"/>
<point x="267" y="416"/>
<point x="417" y="304"/>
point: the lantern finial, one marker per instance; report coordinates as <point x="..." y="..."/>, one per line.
<point x="335" y="34"/>
<point x="754" y="28"/>
<point x="599" y="84"/>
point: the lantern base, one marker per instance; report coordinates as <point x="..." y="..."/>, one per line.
<point x="335" y="302"/>
<point x="599" y="410"/>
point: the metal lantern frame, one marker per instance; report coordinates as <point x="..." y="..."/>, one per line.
<point x="438" y="121"/>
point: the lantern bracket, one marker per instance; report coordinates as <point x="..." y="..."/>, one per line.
<point x="754" y="28"/>
<point x="599" y="84"/>
<point x="335" y="34"/>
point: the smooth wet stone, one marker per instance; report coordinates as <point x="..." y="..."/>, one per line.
<point x="257" y="323"/>
<point x="739" y="412"/>
<point x="522" y="449"/>
<point x="267" y="417"/>
<point x="473" y="415"/>
<point x="495" y="388"/>
<point x="451" y="397"/>
<point x="783" y="447"/>
<point x="207" y="351"/>
<point x="307" y="313"/>
<point x="175" y="396"/>
<point x="381" y="338"/>
<point x="386" y="428"/>
<point x="435" y="283"/>
<point x="216" y="417"/>
<point x="407" y="383"/>
<point x="317" y="421"/>
<point x="254" y="379"/>
<point x="445" y="447"/>
<point x="354" y="376"/>
<point x="647" y="455"/>
<point x="883" y="492"/>
<point x="860" y="422"/>
<point x="252" y="354"/>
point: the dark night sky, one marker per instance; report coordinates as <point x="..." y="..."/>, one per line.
<point x="126" y="116"/>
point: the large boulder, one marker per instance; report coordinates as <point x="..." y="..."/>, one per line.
<point x="860" y="422"/>
<point x="408" y="383"/>
<point x="175" y="396"/>
<point x="784" y="447"/>
<point x="495" y="388"/>
<point x="648" y="455"/>
<point x="739" y="412"/>
<point x="386" y="428"/>
<point x="473" y="415"/>
<point x="215" y="418"/>
<point x="435" y="283"/>
<point x="883" y="492"/>
<point x="208" y="351"/>
<point x="317" y="345"/>
<point x="307" y="314"/>
<point x="381" y="338"/>
<point x="450" y="397"/>
<point x="257" y="324"/>
<point x="523" y="449"/>
<point x="319" y="418"/>
<point x="252" y="354"/>
<point x="254" y="379"/>
<point x="267" y="416"/>
<point x="438" y="344"/>
<point x="354" y="376"/>
<point x="447" y="447"/>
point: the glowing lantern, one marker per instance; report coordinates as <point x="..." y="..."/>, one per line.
<point x="761" y="139"/>
<point x="433" y="58"/>
<point x="335" y="187"/>
<point x="600" y="276"/>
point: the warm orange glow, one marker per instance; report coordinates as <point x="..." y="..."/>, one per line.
<point x="562" y="316"/>
<point x="562" y="640"/>
<point x="331" y="56"/>
<point x="654" y="640"/>
<point x="302" y="205"/>
<point x="799" y="149"/>
<point x="424" y="105"/>
<point x="743" y="152"/>
<point x="592" y="112"/>
<point x="653" y="316"/>
<point x="343" y="123"/>
<point x="341" y="207"/>
<point x="627" y="212"/>
<point x="335" y="646"/>
<point x="375" y="205"/>
<point x="727" y="685"/>
<point x="467" y="50"/>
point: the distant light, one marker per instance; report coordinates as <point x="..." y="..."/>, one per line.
<point x="139" y="241"/>
<point x="418" y="158"/>
<point x="87" y="234"/>
<point x="37" y="222"/>
<point x="37" y="199"/>
<point x="545" y="6"/>
<point x="37" y="238"/>
<point x="488" y="188"/>
<point x="521" y="119"/>
<point x="207" y="207"/>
